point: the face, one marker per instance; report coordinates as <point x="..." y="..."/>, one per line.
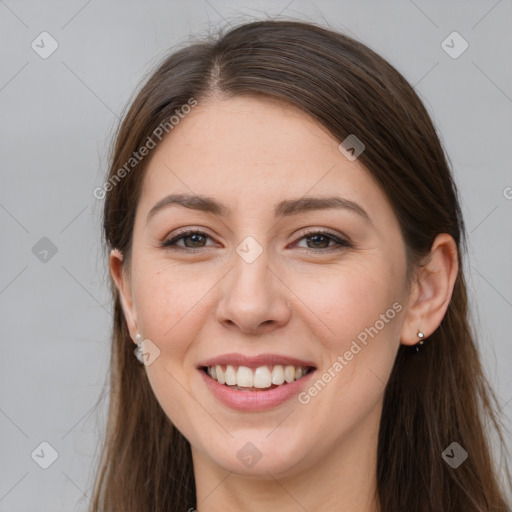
<point x="323" y="287"/>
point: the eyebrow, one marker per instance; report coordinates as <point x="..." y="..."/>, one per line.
<point x="287" y="207"/>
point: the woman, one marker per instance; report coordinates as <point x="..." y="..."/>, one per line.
<point x="286" y="245"/>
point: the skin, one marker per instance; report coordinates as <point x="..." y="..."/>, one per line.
<point x="293" y="299"/>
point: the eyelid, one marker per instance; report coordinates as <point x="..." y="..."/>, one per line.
<point x="341" y="241"/>
<point x="323" y="231"/>
<point x="182" y="233"/>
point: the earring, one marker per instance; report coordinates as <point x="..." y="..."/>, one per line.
<point x="421" y="342"/>
<point x="138" y="351"/>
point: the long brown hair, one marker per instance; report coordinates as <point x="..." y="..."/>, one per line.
<point x="434" y="397"/>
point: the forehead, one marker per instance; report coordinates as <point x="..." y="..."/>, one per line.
<point x="252" y="153"/>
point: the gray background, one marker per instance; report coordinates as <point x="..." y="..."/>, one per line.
<point x="58" y="115"/>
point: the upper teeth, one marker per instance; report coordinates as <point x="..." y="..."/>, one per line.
<point x="261" y="377"/>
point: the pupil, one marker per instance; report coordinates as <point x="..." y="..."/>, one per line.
<point x="195" y="236"/>
<point x="317" y="237"/>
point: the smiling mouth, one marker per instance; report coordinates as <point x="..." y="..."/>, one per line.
<point x="262" y="378"/>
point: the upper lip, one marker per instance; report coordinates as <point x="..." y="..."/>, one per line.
<point x="255" y="361"/>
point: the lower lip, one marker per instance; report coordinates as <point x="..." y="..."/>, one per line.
<point x="255" y="401"/>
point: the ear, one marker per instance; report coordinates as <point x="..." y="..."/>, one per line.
<point x="123" y="286"/>
<point x="431" y="290"/>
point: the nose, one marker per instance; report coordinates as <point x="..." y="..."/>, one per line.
<point x="254" y="297"/>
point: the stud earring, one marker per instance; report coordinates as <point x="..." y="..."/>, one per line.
<point x="421" y="342"/>
<point x="138" y="351"/>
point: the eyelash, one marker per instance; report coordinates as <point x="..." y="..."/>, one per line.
<point x="171" y="244"/>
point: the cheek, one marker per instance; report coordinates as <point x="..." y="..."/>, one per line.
<point x="165" y="297"/>
<point x="337" y="303"/>
<point x="358" y="311"/>
<point x="350" y="299"/>
<point x="171" y="314"/>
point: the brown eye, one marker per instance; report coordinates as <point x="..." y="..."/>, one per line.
<point x="321" y="239"/>
<point x="316" y="241"/>
<point x="195" y="239"/>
